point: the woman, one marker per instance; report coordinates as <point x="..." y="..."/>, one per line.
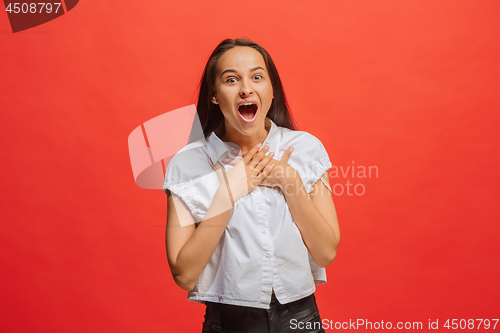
<point x="251" y="239"/>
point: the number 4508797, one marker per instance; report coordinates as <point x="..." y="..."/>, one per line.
<point x="33" y="8"/>
<point x="470" y="324"/>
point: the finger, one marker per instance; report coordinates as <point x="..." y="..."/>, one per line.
<point x="230" y="161"/>
<point x="237" y="152"/>
<point x="264" y="162"/>
<point x="266" y="171"/>
<point x="226" y="158"/>
<point x="287" y="154"/>
<point x="248" y="156"/>
<point x="231" y="157"/>
<point x="259" y="156"/>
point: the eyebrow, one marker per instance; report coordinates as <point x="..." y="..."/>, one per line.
<point x="234" y="71"/>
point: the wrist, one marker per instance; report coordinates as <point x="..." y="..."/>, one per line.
<point x="292" y="185"/>
<point x="289" y="176"/>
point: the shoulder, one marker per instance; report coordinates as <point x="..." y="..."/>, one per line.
<point x="187" y="164"/>
<point x="298" y="136"/>
<point x="309" y="156"/>
<point x="305" y="144"/>
<point x="191" y="178"/>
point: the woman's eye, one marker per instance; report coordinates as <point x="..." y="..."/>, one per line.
<point x="231" y="78"/>
<point x="259" y="76"/>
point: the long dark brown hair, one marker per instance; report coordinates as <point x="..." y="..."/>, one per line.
<point x="211" y="117"/>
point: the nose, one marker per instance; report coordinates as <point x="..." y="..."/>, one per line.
<point x="246" y="88"/>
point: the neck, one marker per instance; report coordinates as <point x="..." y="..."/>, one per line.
<point x="243" y="141"/>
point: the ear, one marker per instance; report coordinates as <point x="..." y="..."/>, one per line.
<point x="214" y="99"/>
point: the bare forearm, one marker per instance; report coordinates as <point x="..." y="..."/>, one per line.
<point x="196" y="253"/>
<point x="318" y="235"/>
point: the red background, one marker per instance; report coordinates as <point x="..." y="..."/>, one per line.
<point x="411" y="87"/>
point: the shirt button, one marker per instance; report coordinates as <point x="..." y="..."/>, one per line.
<point x="263" y="231"/>
<point x="260" y="207"/>
<point x="268" y="255"/>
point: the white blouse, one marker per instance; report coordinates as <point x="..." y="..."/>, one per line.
<point x="261" y="248"/>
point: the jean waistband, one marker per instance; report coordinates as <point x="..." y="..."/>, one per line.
<point x="233" y="316"/>
<point x="311" y="299"/>
<point x="274" y="304"/>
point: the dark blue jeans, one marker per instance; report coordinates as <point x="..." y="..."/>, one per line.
<point x="295" y="317"/>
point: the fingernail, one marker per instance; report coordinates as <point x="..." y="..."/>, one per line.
<point x="291" y="150"/>
<point x="266" y="147"/>
<point x="271" y="165"/>
<point x="272" y="154"/>
<point x="260" y="144"/>
<point x="225" y="160"/>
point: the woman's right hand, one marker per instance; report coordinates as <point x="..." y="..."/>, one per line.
<point x="247" y="172"/>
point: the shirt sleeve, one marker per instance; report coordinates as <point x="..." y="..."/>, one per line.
<point x="309" y="158"/>
<point x="182" y="178"/>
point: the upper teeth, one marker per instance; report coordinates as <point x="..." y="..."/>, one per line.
<point x="247" y="104"/>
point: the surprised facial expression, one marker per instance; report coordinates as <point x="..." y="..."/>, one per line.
<point x="243" y="89"/>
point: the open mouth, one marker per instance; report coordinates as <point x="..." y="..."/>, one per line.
<point x="248" y="112"/>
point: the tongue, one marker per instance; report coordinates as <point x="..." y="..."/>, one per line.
<point x="248" y="112"/>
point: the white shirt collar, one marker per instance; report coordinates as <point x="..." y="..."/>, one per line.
<point x="216" y="147"/>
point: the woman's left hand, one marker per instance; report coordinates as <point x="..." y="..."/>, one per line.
<point x="282" y="172"/>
